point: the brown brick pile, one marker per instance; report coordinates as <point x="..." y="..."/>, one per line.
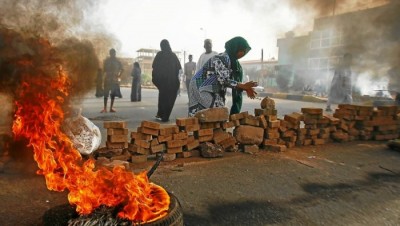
<point x="317" y="127"/>
<point x="366" y="123"/>
<point x="214" y="130"/>
<point x="115" y="152"/>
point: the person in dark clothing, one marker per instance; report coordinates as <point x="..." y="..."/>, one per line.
<point x="99" y="83"/>
<point x="165" y="77"/>
<point x="136" y="91"/>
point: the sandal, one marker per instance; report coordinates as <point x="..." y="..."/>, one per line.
<point x="103" y="111"/>
<point x="112" y="110"/>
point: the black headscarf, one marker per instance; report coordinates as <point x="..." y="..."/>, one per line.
<point x="165" y="47"/>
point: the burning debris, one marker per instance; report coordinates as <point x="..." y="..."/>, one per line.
<point x="40" y="78"/>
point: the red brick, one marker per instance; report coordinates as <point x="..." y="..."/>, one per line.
<point x="117" y="138"/>
<point x="312" y="111"/>
<point x="238" y="116"/>
<point x="176" y="143"/>
<point x="169" y="130"/>
<point x="226" y="125"/>
<point x="158" y="148"/>
<point x="274" y="124"/>
<point x="229" y="142"/>
<point x="187" y="121"/>
<point x="174" y="150"/>
<point x="219" y="136"/>
<point x="114" y="124"/>
<point x="191" y="128"/>
<point x="113" y="131"/>
<point x="140" y="136"/>
<point x="249" y="134"/>
<point x="204" y="132"/>
<point x="149" y="131"/>
<point x="151" y="125"/>
<point x="180" y="136"/>
<point x="250" y="120"/>
<point x="192" y="145"/>
<point x="216" y="114"/>
<point x="116" y="145"/>
<point x="184" y="154"/>
<point x="205" y="138"/>
<point x="142" y="143"/>
<point x="162" y="139"/>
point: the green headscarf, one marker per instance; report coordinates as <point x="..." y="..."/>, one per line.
<point x="231" y="48"/>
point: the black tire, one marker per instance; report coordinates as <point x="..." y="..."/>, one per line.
<point x="174" y="216"/>
<point x="60" y="215"/>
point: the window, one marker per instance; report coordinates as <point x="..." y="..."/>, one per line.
<point x="326" y="38"/>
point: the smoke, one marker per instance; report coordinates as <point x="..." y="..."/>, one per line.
<point x="37" y="37"/>
<point x="370" y="31"/>
<point x="78" y="41"/>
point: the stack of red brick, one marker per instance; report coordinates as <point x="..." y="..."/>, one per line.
<point x="250" y="132"/>
<point x="115" y="152"/>
<point x="366" y="123"/>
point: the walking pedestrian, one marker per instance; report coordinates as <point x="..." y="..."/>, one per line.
<point x="204" y="57"/>
<point x="189" y="70"/>
<point x="136" y="90"/>
<point x="112" y="70"/>
<point x="165" y="77"/>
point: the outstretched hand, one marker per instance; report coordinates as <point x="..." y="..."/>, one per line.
<point x="248" y="87"/>
<point x="251" y="93"/>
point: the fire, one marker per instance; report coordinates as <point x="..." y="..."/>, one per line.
<point x="39" y="116"/>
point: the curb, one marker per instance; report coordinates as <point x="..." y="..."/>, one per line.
<point x="298" y="97"/>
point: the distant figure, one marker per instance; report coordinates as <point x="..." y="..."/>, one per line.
<point x="165" y="77"/>
<point x="99" y="83"/>
<point x="209" y="84"/>
<point x="394" y="80"/>
<point x="341" y="87"/>
<point x="113" y="70"/>
<point x="180" y="81"/>
<point x="136" y="90"/>
<point x="189" y="70"/>
<point x="319" y="88"/>
<point x="206" y="55"/>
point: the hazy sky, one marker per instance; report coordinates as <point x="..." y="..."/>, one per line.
<point x="186" y="23"/>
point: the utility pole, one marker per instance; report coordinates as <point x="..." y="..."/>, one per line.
<point x="262" y="67"/>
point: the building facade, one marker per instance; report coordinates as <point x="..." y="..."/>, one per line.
<point x="370" y="35"/>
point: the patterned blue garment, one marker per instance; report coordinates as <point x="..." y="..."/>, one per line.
<point x="207" y="88"/>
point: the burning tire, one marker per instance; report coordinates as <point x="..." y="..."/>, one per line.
<point x="65" y="215"/>
<point x="174" y="216"/>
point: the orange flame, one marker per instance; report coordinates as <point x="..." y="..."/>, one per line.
<point x="39" y="117"/>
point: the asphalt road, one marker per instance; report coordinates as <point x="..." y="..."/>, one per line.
<point x="354" y="183"/>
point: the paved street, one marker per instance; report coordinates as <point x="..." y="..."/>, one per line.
<point x="353" y="183"/>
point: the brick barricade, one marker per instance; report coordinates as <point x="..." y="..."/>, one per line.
<point x="250" y="133"/>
